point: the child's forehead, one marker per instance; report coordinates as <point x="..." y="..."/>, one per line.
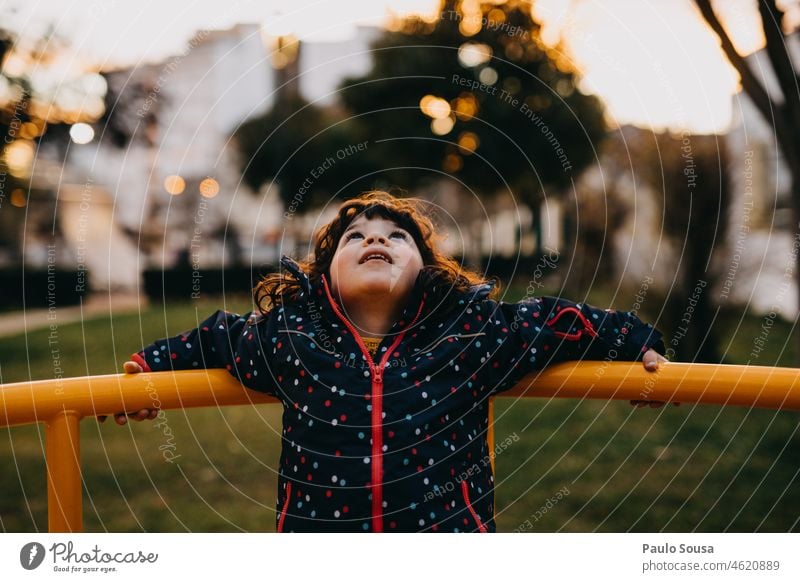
<point x="362" y="221"/>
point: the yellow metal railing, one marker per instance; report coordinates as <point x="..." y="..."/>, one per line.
<point x="61" y="404"/>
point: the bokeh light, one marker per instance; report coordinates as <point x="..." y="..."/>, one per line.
<point x="452" y="163"/>
<point x="434" y="107"/>
<point x="443" y="125"/>
<point x="209" y="188"/>
<point x="472" y="54"/>
<point x="468" y="142"/>
<point x="18" y="198"/>
<point x="488" y="76"/>
<point x="19" y="157"/>
<point x="466" y="106"/>
<point x="81" y="133"/>
<point x="174" y="184"/>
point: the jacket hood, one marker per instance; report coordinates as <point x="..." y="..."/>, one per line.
<point x="305" y="282"/>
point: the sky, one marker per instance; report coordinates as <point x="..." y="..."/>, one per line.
<point x="653" y="62"/>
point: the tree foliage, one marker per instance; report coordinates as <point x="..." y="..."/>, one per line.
<point x="509" y="114"/>
<point x="15" y="124"/>
<point x="35" y="120"/>
<point x="305" y="149"/>
<point x="517" y="119"/>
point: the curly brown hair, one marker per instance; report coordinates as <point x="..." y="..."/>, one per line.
<point x="441" y="271"/>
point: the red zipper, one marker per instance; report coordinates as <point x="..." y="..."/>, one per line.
<point x="575" y="336"/>
<point x="285" y="506"/>
<point x="465" y="491"/>
<point x="377" y="406"/>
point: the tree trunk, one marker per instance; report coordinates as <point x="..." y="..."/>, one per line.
<point x="701" y="343"/>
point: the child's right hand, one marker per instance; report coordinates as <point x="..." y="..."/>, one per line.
<point x="651" y="361"/>
<point x="121" y="418"/>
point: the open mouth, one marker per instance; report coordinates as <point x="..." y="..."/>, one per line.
<point x="375" y="256"/>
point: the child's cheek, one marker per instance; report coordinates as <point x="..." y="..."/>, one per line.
<point x="334" y="273"/>
<point x="407" y="273"/>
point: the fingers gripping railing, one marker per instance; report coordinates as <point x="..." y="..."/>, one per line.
<point x="61" y="404"/>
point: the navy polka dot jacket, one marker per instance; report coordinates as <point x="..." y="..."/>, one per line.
<point x="396" y="442"/>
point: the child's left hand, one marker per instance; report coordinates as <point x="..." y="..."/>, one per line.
<point x="650" y="361"/>
<point x="121" y="418"/>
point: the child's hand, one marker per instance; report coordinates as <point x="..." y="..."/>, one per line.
<point x="650" y="361"/>
<point x="134" y="368"/>
<point x="121" y="418"/>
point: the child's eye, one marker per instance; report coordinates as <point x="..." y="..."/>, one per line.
<point x="398" y="233"/>
<point x="353" y="234"/>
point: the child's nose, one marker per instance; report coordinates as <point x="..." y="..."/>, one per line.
<point x="376" y="238"/>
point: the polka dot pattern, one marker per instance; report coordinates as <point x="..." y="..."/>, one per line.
<point x="434" y="390"/>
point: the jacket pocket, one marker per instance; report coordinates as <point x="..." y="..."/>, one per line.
<point x="478" y="522"/>
<point x="285" y="507"/>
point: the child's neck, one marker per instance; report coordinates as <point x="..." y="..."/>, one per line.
<point x="373" y="318"/>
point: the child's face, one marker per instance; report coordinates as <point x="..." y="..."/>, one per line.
<point x="391" y="274"/>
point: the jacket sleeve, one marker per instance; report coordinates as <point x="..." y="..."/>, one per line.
<point x="532" y="334"/>
<point x="242" y="344"/>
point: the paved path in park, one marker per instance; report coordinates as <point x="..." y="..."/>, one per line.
<point x="19" y="322"/>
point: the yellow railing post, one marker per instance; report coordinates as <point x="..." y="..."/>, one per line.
<point x="63" y="456"/>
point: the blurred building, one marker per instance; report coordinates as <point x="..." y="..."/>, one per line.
<point x="173" y="192"/>
<point x="174" y="183"/>
<point x="324" y="65"/>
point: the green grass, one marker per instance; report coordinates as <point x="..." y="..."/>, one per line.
<point x="701" y="468"/>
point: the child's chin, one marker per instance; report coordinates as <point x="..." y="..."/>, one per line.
<point x="376" y="286"/>
<point x="380" y="285"/>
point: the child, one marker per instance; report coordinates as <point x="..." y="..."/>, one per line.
<point x="384" y="354"/>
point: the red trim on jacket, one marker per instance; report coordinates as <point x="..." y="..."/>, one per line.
<point x="465" y="491"/>
<point x="575" y="336"/>
<point x="377" y="405"/>
<point x="285" y="506"/>
<point x="141" y="361"/>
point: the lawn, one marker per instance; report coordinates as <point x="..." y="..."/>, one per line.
<point x="572" y="466"/>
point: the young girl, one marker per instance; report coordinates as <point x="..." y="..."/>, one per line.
<point x="384" y="354"/>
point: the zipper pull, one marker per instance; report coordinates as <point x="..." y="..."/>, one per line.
<point x="377" y="373"/>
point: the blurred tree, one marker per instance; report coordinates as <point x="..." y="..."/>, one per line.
<point x="474" y="95"/>
<point x="15" y="125"/>
<point x="34" y="116"/>
<point x="782" y="111"/>
<point x="131" y="109"/>
<point x="593" y="216"/>
<point x="690" y="174"/>
<point x="303" y="148"/>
